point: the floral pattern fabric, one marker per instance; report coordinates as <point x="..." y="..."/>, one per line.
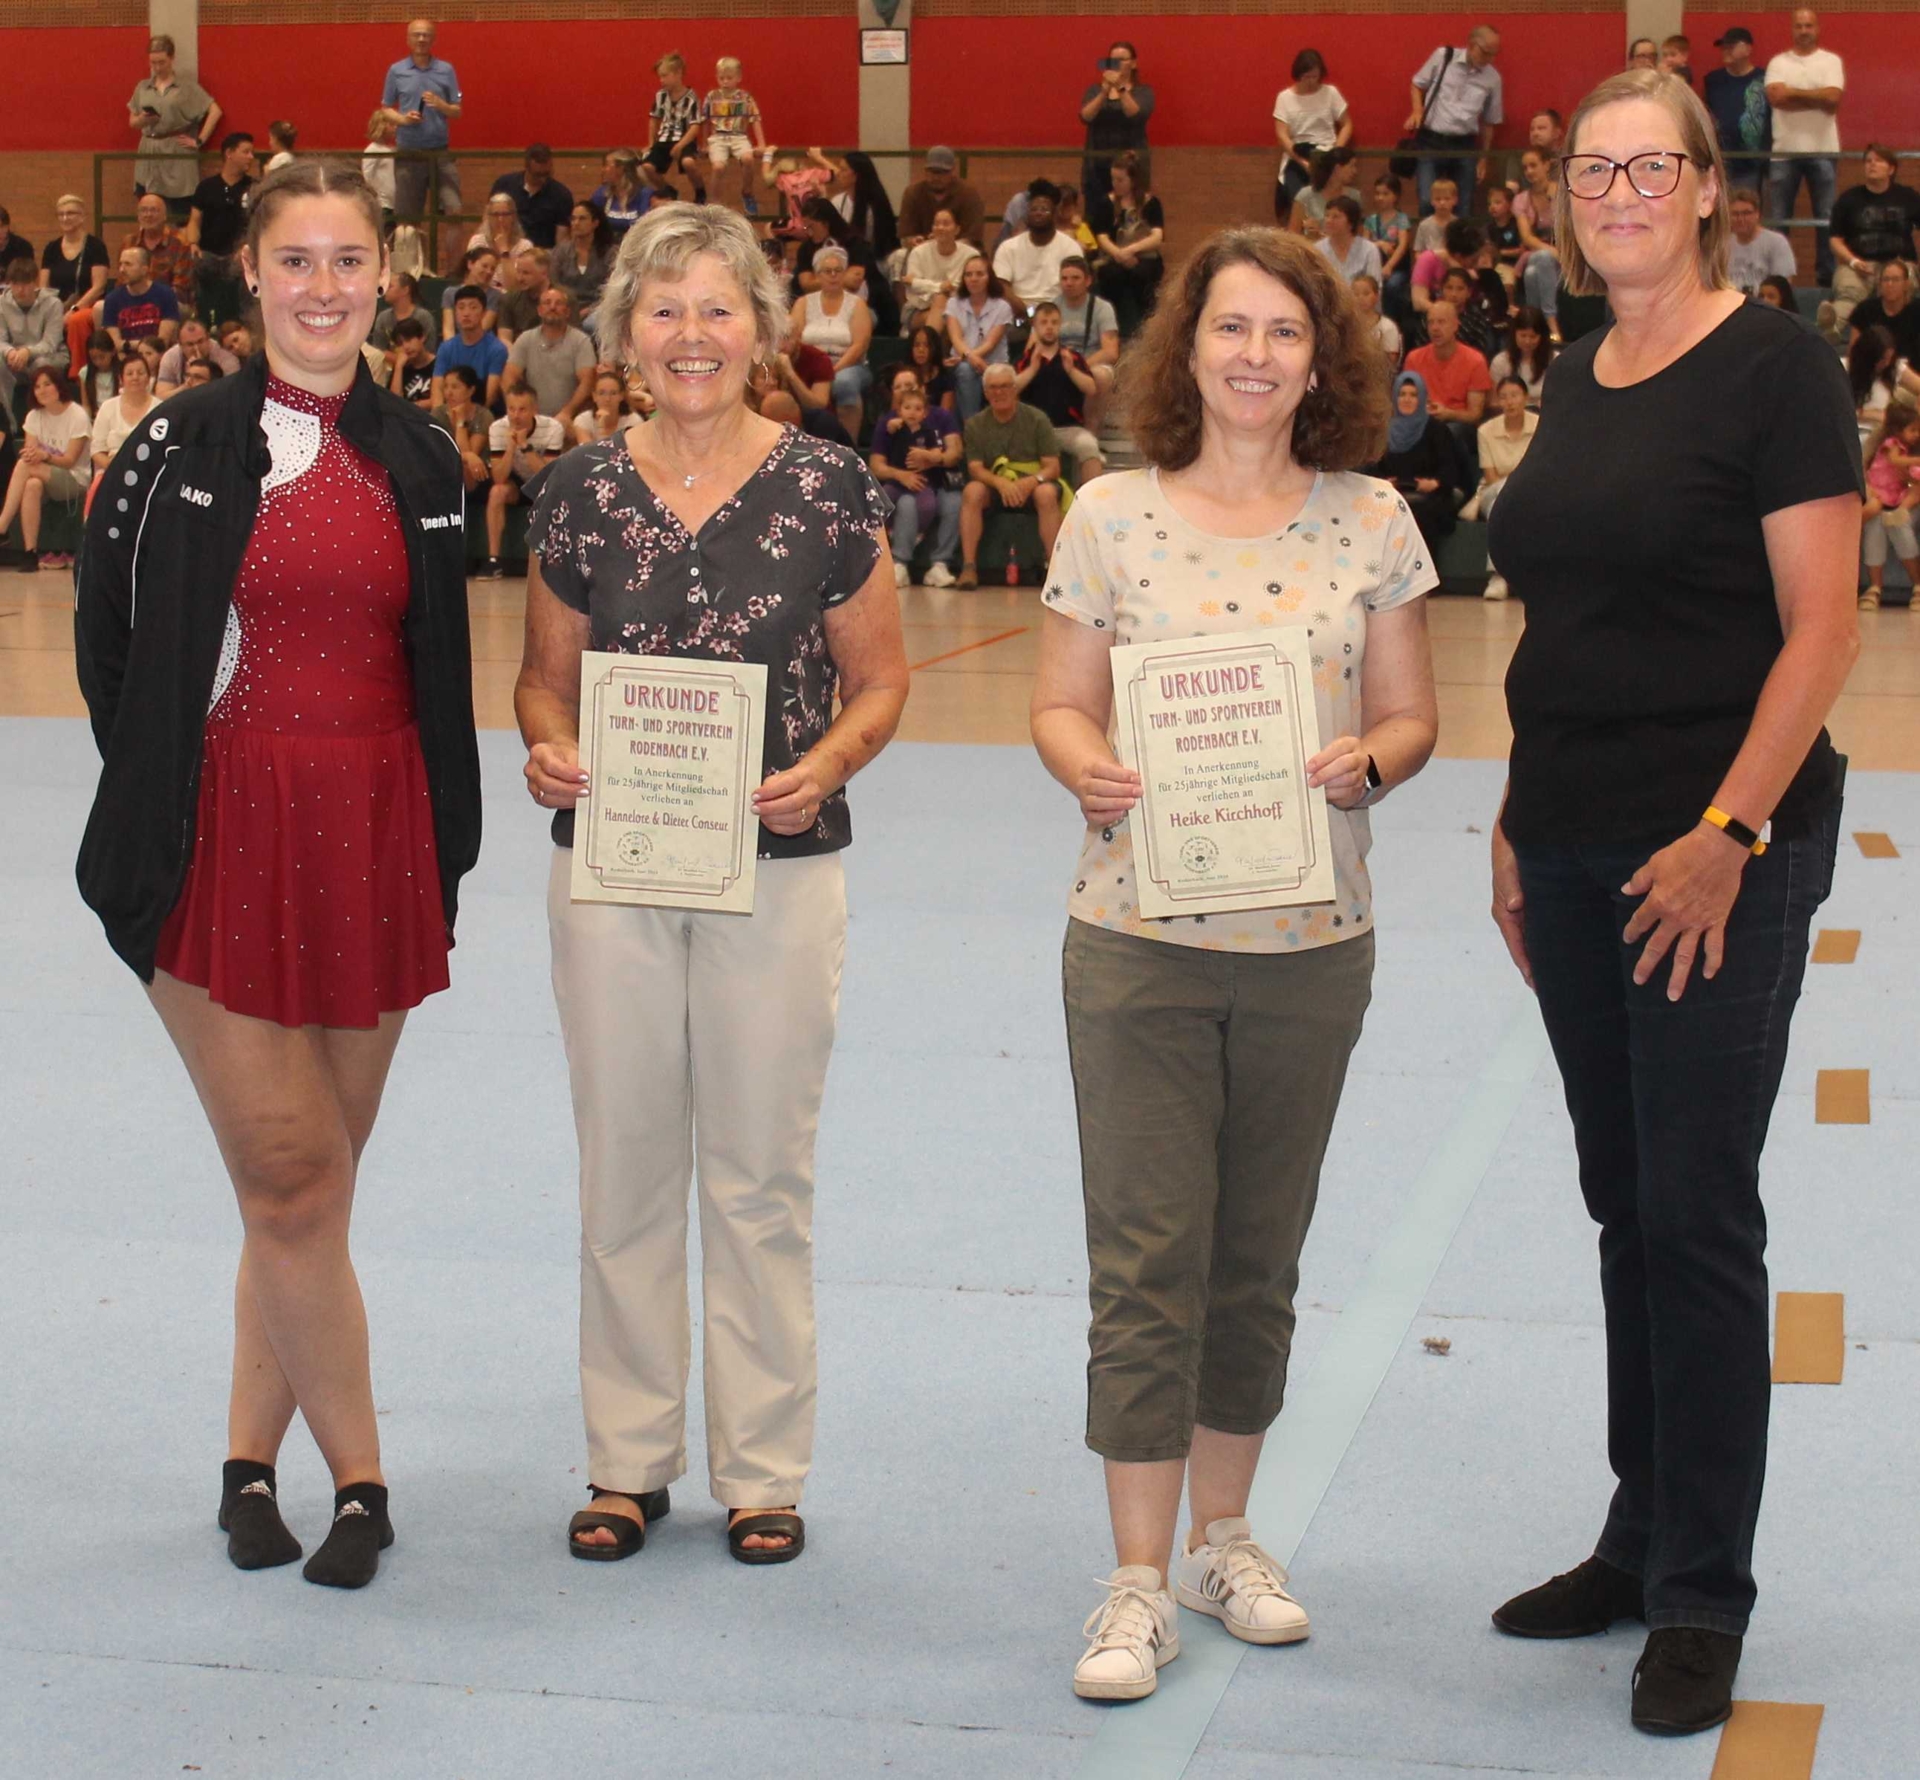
<point x="1127" y="564"/>
<point x="798" y="537"/>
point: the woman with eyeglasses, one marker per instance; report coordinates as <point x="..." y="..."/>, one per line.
<point x="1684" y="530"/>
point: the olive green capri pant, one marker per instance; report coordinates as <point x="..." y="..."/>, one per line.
<point x="1207" y="1084"/>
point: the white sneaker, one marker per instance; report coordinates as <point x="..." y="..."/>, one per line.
<point x="939" y="575"/>
<point x="1496" y="587"/>
<point x="1234" y="1580"/>
<point x="899" y="573"/>
<point x="1129" y="1637"/>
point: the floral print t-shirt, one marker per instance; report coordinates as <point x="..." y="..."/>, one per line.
<point x="798" y="537"/>
<point x="1128" y="564"/>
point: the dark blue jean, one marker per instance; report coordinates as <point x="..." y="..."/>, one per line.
<point x="1670" y="1103"/>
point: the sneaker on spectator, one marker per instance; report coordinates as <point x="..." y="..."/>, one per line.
<point x="492" y="570"/>
<point x="1234" y="1580"/>
<point x="1496" y="588"/>
<point x="939" y="575"/>
<point x="969" y="576"/>
<point x="1869" y="602"/>
<point x="900" y="576"/>
<point x="1129" y="1637"/>
<point x="55" y="559"/>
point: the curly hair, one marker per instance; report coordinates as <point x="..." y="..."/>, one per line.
<point x="1339" y="425"/>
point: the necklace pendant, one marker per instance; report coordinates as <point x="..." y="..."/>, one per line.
<point x="690" y="480"/>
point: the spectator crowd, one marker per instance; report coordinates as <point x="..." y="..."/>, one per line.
<point x="973" y="358"/>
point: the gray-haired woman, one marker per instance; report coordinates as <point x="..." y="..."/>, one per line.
<point x="697" y="1040"/>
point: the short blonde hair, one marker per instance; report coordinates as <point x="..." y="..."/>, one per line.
<point x="727" y="65"/>
<point x="662" y="245"/>
<point x="1699" y="140"/>
<point x="69" y="199"/>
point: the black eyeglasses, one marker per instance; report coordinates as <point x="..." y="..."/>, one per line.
<point x="1655" y="175"/>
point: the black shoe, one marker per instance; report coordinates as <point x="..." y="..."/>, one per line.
<point x="257" y="1538"/>
<point x="492" y="571"/>
<point x="1683" y="1682"/>
<point x="1585" y="1600"/>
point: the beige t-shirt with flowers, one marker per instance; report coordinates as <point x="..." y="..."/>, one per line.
<point x="1128" y="564"/>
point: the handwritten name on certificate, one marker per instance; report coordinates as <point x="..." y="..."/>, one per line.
<point x="671" y="748"/>
<point x="1220" y="730"/>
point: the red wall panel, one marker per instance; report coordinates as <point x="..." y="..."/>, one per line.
<point x="1881" y="51"/>
<point x="575" y="83"/>
<point x="82" y="77"/>
<point x="1018" y="82"/>
<point x="579" y="84"/>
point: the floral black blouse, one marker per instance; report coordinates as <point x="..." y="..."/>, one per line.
<point x="799" y="536"/>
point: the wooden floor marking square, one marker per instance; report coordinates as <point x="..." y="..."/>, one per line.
<point x="1836" y="945"/>
<point x="1768" y="1740"/>
<point x="1840" y="1097"/>
<point x="1876" y="846"/>
<point x="1809" y="1337"/>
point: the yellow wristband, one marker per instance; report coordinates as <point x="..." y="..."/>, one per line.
<point x="1735" y="829"/>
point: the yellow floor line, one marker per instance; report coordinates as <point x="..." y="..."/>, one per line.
<point x="1836" y="945"/>
<point x="1876" y="846"/>
<point x="1840" y="1097"/>
<point x="1809" y="1337"/>
<point x="1768" y="1740"/>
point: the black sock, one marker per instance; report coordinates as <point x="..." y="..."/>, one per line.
<point x="350" y="1554"/>
<point x="257" y="1538"/>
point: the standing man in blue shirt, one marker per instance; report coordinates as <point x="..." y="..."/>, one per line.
<point x="1456" y="105"/>
<point x="425" y="92"/>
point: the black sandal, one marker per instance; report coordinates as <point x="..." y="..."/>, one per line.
<point x="629" y="1535"/>
<point x="766" y="1522"/>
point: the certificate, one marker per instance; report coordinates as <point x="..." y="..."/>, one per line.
<point x="1220" y="730"/>
<point x="671" y="749"/>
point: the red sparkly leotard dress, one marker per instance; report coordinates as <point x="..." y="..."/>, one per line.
<point x="313" y="897"/>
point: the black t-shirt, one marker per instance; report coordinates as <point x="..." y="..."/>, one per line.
<point x="1505" y="237"/>
<point x="1053" y="392"/>
<point x="416" y="381"/>
<point x="543" y="214"/>
<point x="1878" y="225"/>
<point x="1632" y="530"/>
<point x="223" y="213"/>
<point x="1904" y="327"/>
<point x="65" y="276"/>
<point x="15" y="247"/>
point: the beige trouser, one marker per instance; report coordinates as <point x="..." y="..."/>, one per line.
<point x="700" y="1040"/>
<point x="1850" y="290"/>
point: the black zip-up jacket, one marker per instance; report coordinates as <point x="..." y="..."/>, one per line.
<point x="153" y="589"/>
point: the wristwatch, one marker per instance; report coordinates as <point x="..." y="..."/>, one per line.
<point x="1375" y="788"/>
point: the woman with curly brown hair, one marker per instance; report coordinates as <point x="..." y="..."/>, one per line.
<point x="1209" y="1053"/>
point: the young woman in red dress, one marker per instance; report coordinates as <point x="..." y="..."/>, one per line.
<point x="273" y="642"/>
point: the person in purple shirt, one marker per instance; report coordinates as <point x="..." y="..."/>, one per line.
<point x="915" y="452"/>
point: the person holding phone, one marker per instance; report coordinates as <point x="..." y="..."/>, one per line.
<point x="176" y="119"/>
<point x="1115" y="110"/>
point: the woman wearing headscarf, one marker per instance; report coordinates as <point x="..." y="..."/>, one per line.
<point x="1420" y="460"/>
